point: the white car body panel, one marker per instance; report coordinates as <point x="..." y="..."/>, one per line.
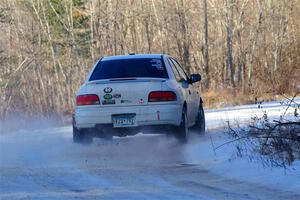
<point x="131" y="96"/>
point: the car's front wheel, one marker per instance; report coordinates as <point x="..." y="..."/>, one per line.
<point x="81" y="136"/>
<point x="183" y="130"/>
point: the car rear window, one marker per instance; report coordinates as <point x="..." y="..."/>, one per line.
<point x="130" y="68"/>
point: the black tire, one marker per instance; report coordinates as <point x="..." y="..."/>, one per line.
<point x="199" y="127"/>
<point x="182" y="131"/>
<point x="82" y="136"/>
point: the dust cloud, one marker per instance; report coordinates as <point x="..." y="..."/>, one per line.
<point x="21" y="122"/>
<point x="45" y="142"/>
<point x="42" y="158"/>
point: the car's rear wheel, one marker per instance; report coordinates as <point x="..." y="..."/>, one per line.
<point x="200" y="121"/>
<point x="183" y="130"/>
<point x="82" y="136"/>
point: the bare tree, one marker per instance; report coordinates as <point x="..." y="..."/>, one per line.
<point x="47" y="47"/>
<point x="230" y="64"/>
<point x="205" y="49"/>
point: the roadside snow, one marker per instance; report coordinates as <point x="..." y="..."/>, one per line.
<point x="226" y="163"/>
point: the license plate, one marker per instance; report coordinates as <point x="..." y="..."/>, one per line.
<point x="125" y="120"/>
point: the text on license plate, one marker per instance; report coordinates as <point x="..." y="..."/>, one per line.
<point x="125" y="120"/>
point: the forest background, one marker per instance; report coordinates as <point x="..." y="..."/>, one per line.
<point x="245" y="50"/>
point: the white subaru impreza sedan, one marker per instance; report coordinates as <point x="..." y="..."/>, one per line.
<point x="127" y="94"/>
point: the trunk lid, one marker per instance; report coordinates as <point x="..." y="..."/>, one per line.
<point x="124" y="92"/>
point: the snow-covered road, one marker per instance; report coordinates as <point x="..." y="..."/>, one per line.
<point x="45" y="164"/>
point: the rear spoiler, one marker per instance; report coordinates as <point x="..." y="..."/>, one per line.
<point x="119" y="80"/>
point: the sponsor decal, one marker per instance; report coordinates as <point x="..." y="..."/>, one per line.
<point x="141" y="101"/>
<point x="158" y="115"/>
<point x="108" y="101"/>
<point x="126" y="101"/>
<point x="157" y="63"/>
<point x="107" y="90"/>
<point x="107" y="96"/>
<point x="117" y="95"/>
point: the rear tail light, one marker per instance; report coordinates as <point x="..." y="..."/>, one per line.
<point x="88" y="99"/>
<point x="155" y="96"/>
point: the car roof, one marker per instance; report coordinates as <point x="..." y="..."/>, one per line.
<point x="132" y="56"/>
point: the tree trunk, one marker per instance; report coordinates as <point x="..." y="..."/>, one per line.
<point x="230" y="63"/>
<point x="205" y="50"/>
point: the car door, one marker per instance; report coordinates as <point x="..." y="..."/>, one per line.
<point x="186" y="87"/>
<point x="194" y="96"/>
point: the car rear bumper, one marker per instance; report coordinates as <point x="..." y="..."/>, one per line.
<point x="90" y="116"/>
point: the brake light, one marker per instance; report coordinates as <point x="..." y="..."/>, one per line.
<point x="88" y="99"/>
<point x="155" y="96"/>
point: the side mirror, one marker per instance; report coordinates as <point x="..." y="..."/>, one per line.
<point x="195" y="78"/>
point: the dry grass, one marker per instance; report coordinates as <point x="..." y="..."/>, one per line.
<point x="230" y="97"/>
